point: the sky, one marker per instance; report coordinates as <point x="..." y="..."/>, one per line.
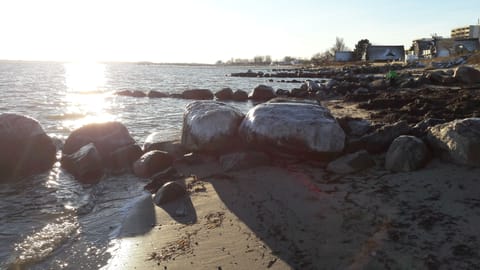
<point x="204" y="31"/>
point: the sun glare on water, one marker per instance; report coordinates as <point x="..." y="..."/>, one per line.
<point x="86" y="99"/>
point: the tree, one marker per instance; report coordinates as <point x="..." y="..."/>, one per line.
<point x="338" y="46"/>
<point x="361" y="49"/>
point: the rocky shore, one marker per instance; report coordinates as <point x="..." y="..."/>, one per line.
<point x="374" y="167"/>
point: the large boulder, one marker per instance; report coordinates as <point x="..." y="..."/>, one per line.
<point x="405" y="154"/>
<point x="107" y="138"/>
<point x="151" y="163"/>
<point x="293" y="127"/>
<point x="122" y="159"/>
<point x="467" y="75"/>
<point x="198" y="94"/>
<point x="458" y="140"/>
<point x="224" y="94"/>
<point x="351" y="163"/>
<point x="85" y="164"/>
<point x="240" y="95"/>
<point x="25" y="147"/>
<point x="210" y="126"/>
<point x="262" y="93"/>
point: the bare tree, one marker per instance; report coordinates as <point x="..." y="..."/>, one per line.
<point x="339" y="46"/>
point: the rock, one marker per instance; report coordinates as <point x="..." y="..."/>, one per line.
<point x="379" y="84"/>
<point x="240" y="95"/>
<point x="156" y="94"/>
<point x="293" y="100"/>
<point x="151" y="163"/>
<point x="281" y="92"/>
<point x="170" y="191"/>
<point x="420" y="129"/>
<point x="25" y="147"/>
<point x="107" y="138"/>
<point x="126" y="93"/>
<point x="295" y="127"/>
<point x="85" y="164"/>
<point x="138" y="93"/>
<point x="351" y="163"/>
<point x="458" y="140"/>
<point x="155" y="142"/>
<point x="175" y="95"/>
<point x="467" y="75"/>
<point x="354" y="126"/>
<point x="224" y="94"/>
<point x="379" y="140"/>
<point x="405" y="154"/>
<point x="262" y="93"/>
<point x="312" y="86"/>
<point x="299" y="93"/>
<point x="210" y="126"/>
<point x="361" y="90"/>
<point x="440" y="77"/>
<point x="123" y="158"/>
<point x="159" y="179"/>
<point x="198" y="94"/>
<point x="243" y="160"/>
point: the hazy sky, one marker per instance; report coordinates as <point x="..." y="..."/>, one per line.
<point x="209" y="30"/>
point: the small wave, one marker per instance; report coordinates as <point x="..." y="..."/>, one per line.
<point x="44" y="242"/>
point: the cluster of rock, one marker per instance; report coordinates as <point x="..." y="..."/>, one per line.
<point x="197" y="94"/>
<point x="300" y="128"/>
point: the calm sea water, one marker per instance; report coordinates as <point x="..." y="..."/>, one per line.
<point x="50" y="221"/>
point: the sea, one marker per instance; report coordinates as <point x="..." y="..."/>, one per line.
<point x="51" y="221"/>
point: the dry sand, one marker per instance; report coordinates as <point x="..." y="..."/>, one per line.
<point x="297" y="216"/>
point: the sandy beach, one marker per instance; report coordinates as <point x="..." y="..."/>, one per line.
<point x="295" y="215"/>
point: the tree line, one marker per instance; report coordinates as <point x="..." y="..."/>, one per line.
<point x="317" y="59"/>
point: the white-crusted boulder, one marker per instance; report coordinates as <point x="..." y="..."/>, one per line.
<point x="25" y="148"/>
<point x="293" y="127"/>
<point x="458" y="140"/>
<point x="210" y="126"/>
<point x="405" y="154"/>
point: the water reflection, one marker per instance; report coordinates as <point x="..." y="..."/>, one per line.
<point x="86" y="99"/>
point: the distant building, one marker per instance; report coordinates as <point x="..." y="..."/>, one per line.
<point x="385" y="53"/>
<point x="449" y="46"/>
<point x="343" y="56"/>
<point x="471" y="31"/>
<point x="422" y="48"/>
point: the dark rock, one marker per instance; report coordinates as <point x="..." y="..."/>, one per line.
<point x="107" y="138"/>
<point x="293" y="100"/>
<point x="25" y="147"/>
<point x="151" y="163"/>
<point x="123" y="158"/>
<point x="126" y="93"/>
<point x="281" y="92"/>
<point x="210" y="126"/>
<point x="440" y="77"/>
<point x="240" y="95"/>
<point x="198" y="94"/>
<point x="243" y="160"/>
<point x="175" y="95"/>
<point x="458" y="140"/>
<point x="224" y="94"/>
<point x="85" y="164"/>
<point x="354" y="126"/>
<point x="312" y="86"/>
<point x="156" y="94"/>
<point x="170" y="191"/>
<point x="405" y="154"/>
<point x="138" y="94"/>
<point x="299" y="93"/>
<point x="262" y="93"/>
<point x="351" y="163"/>
<point x="296" y="127"/>
<point x="467" y="75"/>
<point x="379" y="84"/>
<point x="379" y="140"/>
<point x="159" y="179"/>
